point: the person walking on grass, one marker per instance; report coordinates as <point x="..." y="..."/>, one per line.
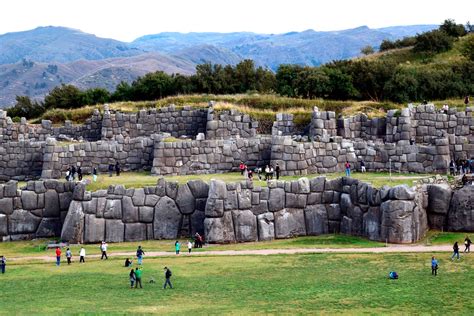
<point x="177" y="247"/>
<point x="132" y="278"/>
<point x="58" y="256"/>
<point x="103" y="248"/>
<point x="455" y="251"/>
<point x="242" y="168"/>
<point x="168" y="275"/>
<point x="68" y="256"/>
<point x="467" y="244"/>
<point x="117" y="168"/>
<point x="362" y="166"/>
<point x="277" y="171"/>
<point x="82" y="255"/>
<point x="190" y="246"/>
<point x="3" y="264"/>
<point x="79" y="173"/>
<point x="111" y="170"/>
<point x="434" y="266"/>
<point x="138" y="277"/>
<point x="140" y="254"/>
<point x="94" y="174"/>
<point x="347" y="165"/>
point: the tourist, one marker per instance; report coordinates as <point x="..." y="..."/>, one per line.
<point x="466" y="100"/>
<point x="347" y="165"/>
<point x="434" y="266"/>
<point x="58" y="256"/>
<point x="455" y="251"/>
<point x="250" y="174"/>
<point x="267" y="173"/>
<point x="103" y="248"/>
<point x="94" y="174"/>
<point x="111" y="170"/>
<point x="138" y="277"/>
<point x="82" y="255"/>
<point x="362" y="166"/>
<point x="79" y="173"/>
<point x="242" y="168"/>
<point x="452" y="167"/>
<point x="277" y="171"/>
<point x="68" y="174"/>
<point x="467" y="244"/>
<point x="128" y="262"/>
<point x="190" y="246"/>
<point x="117" y="168"/>
<point x="177" y="247"/>
<point x="3" y="264"/>
<point x="246" y="172"/>
<point x="132" y="278"/>
<point x="73" y="173"/>
<point x="445" y="108"/>
<point x="68" y="256"/>
<point x="140" y="254"/>
<point x="272" y="171"/>
<point x="167" y="277"/>
<point x="258" y="171"/>
<point x="197" y="240"/>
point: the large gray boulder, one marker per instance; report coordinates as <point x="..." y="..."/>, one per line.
<point x="266" y="226"/>
<point x="397" y="221"/>
<point x="129" y="211"/>
<point x="276" y="201"/>
<point x="231" y="202"/>
<point x="439" y="198"/>
<point x="6" y="206"/>
<point x="23" y="222"/>
<point x="289" y="223"/>
<point x="167" y="219"/>
<point x="317" y="184"/>
<point x="371" y="223"/>
<point x="244" y="198"/>
<point x="135" y="232"/>
<point x="197" y="222"/>
<point x="79" y="191"/>
<point x="3" y="225"/>
<point x="245" y="225"/>
<point x="146" y="214"/>
<point x="94" y="230"/>
<point x="199" y="188"/>
<point x="219" y="230"/>
<point x="114" y="230"/>
<point x="461" y="212"/>
<point x="49" y="227"/>
<point x="185" y="200"/>
<point x="138" y="197"/>
<point x="113" y="209"/>
<point x="29" y="200"/>
<point x="214" y="207"/>
<point x="316" y="219"/>
<point x="73" y="227"/>
<point x="402" y="192"/>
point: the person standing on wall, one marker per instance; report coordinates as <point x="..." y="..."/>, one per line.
<point x="277" y="171"/>
<point x="347" y="165"/>
<point x="94" y="174"/>
<point x="58" y="256"/>
<point x="68" y="256"/>
<point x="467" y="244"/>
<point x="3" y="264"/>
<point x="168" y="275"/>
<point x="82" y="255"/>
<point x="103" y="248"/>
<point x="117" y="168"/>
<point x="79" y="173"/>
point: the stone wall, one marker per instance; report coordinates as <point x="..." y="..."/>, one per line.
<point x="164" y="211"/>
<point x="229" y="123"/>
<point x="209" y="156"/>
<point x="21" y="160"/>
<point x="37" y="211"/>
<point x="130" y="153"/>
<point x="177" y="121"/>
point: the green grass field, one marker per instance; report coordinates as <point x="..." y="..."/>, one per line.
<point x="276" y="284"/>
<point x="140" y="179"/>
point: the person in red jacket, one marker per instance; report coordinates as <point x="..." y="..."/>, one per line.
<point x="58" y="256"/>
<point x="242" y="168"/>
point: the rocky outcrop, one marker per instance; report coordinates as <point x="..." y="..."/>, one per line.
<point x="461" y="211"/>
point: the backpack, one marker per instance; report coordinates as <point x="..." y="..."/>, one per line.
<point x="393" y="275"/>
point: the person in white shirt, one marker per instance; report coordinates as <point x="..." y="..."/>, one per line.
<point x="82" y="255"/>
<point x="190" y="246"/>
<point x="103" y="248"/>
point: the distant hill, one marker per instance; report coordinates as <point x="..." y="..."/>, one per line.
<point x="33" y="62"/>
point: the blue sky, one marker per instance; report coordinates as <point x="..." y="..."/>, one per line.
<point x="126" y="20"/>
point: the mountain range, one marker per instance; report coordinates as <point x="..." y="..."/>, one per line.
<point x="33" y="62"/>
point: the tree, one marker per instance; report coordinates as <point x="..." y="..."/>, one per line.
<point x="432" y="42"/>
<point x="24" y="107"/>
<point x="367" y="50"/>
<point x="63" y="97"/>
<point x="95" y="96"/>
<point x="467" y="47"/>
<point x="452" y="29"/>
<point x="152" y="86"/>
<point x="123" y="92"/>
<point x="286" y="80"/>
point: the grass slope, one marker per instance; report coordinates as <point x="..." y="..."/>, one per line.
<point x="279" y="284"/>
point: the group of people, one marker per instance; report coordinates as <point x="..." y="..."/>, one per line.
<point x="135" y="275"/>
<point x="267" y="173"/>
<point x="72" y="172"/>
<point x="115" y="167"/>
<point x="435" y="262"/>
<point x="461" y="166"/>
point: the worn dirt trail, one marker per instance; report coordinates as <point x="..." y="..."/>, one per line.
<point x="260" y="252"/>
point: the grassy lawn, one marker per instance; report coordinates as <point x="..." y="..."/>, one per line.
<point x="277" y="284"/>
<point x="439" y="238"/>
<point x="140" y="179"/>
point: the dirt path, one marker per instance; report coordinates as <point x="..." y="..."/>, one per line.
<point x="262" y="252"/>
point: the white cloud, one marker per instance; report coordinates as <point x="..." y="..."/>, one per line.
<point x="126" y="20"/>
